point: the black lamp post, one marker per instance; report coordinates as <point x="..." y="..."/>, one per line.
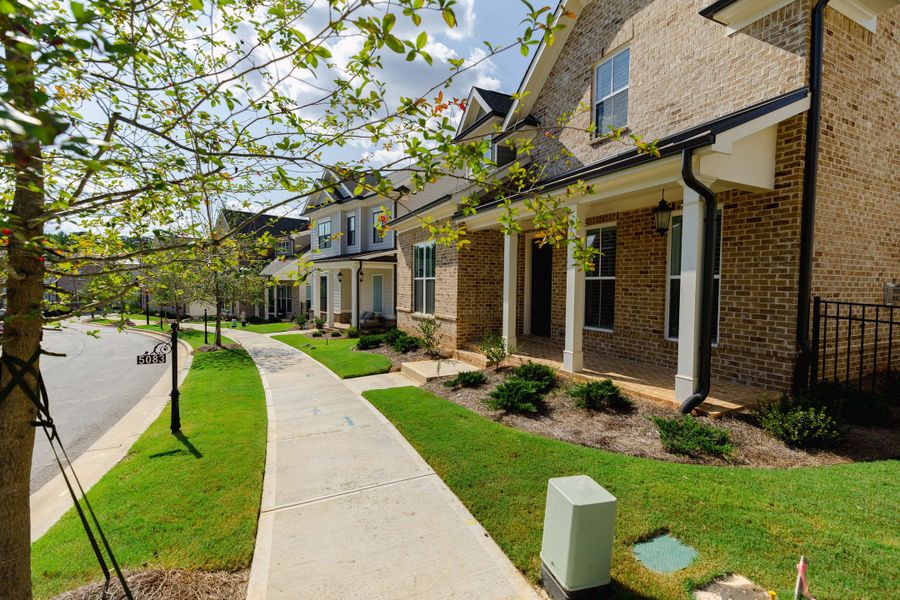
<point x="662" y="214"/>
<point x="147" y="305"/>
<point x="205" y="329"/>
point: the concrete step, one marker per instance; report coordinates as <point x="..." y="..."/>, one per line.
<point x="423" y="371"/>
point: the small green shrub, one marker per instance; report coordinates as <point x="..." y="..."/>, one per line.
<point x="495" y="349"/>
<point x="301" y="320"/>
<point x="799" y="423"/>
<point x="430" y="330"/>
<point x="335" y="334"/>
<point x="391" y="335"/>
<point x="687" y="435"/>
<point x="352" y="332"/>
<point x="516" y="395"/>
<point x="597" y="395"/>
<point x="319" y="322"/>
<point x="367" y="342"/>
<point x="406" y="343"/>
<point x="544" y="376"/>
<point x="469" y="379"/>
<point x="318" y="333"/>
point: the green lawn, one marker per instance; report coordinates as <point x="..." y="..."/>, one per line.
<point x="176" y="502"/>
<point x="338" y="354"/>
<point x="191" y="336"/>
<point x="263" y="327"/>
<point x="756" y="522"/>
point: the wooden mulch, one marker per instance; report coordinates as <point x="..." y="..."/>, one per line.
<point x="158" y="584"/>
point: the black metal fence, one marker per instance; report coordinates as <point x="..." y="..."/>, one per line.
<point x="855" y="342"/>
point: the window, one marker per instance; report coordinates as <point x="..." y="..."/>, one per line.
<point x="600" y="283"/>
<point x="377" y="234"/>
<point x="323" y="293"/>
<point x="351" y="230"/>
<point x="283" y="246"/>
<point x="423" y="278"/>
<point x="674" y="277"/>
<point x="284" y="302"/>
<point x="325" y="234"/>
<point x="611" y="92"/>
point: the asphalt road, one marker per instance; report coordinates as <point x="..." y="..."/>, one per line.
<point x="90" y="389"/>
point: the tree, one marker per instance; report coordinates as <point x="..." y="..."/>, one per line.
<point x="135" y="120"/>
<point x="171" y="284"/>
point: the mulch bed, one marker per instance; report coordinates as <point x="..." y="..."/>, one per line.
<point x="170" y="585"/>
<point x="214" y="348"/>
<point x="634" y="434"/>
<point x="397" y="358"/>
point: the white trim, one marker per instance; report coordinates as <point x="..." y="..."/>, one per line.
<point x="526" y="300"/>
<point x="510" y="287"/>
<point x="424" y="278"/>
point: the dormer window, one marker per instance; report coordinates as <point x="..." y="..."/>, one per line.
<point x="283" y="247"/>
<point x="611" y="92"/>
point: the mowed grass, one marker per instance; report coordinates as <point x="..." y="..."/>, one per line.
<point x="191" y="336"/>
<point x="188" y="501"/>
<point x="339" y="355"/>
<point x="756" y="522"/>
<point x="263" y="327"/>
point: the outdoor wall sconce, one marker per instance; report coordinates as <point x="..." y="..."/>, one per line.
<point x="360" y="276"/>
<point x="663" y="215"/>
<point x="340" y="277"/>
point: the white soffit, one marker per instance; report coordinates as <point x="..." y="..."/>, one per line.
<point x="864" y="12"/>
<point x="741" y="14"/>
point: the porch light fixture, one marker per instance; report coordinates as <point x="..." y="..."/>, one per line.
<point x="360" y="276"/>
<point x="340" y="277"/>
<point x="663" y="215"/>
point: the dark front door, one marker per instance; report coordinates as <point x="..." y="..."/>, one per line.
<point x="541" y="288"/>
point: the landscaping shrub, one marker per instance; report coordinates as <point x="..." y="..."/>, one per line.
<point x="597" y="395"/>
<point x="406" y="343"/>
<point x="254" y="320"/>
<point x="301" y="320"/>
<point x="544" y="376"/>
<point x="495" y="349"/>
<point x="430" y="330"/>
<point x="367" y="342"/>
<point x="352" y="332"/>
<point x="469" y="379"/>
<point x="391" y="335"/>
<point x="335" y="334"/>
<point x="318" y="333"/>
<point x="516" y="395"/>
<point x="846" y="402"/>
<point x="319" y="322"/>
<point x="687" y="435"/>
<point x="799" y="423"/>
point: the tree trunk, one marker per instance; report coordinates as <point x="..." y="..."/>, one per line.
<point x="21" y="339"/>
<point x="218" y="322"/>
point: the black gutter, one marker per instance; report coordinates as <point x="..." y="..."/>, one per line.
<point x="478" y="123"/>
<point x="420" y="210"/>
<point x="707" y="276"/>
<point x="808" y="209"/>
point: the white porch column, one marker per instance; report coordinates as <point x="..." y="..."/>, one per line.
<point x="313" y="283"/>
<point x="689" y="298"/>
<point x="329" y="300"/>
<point x="266" y="302"/>
<point x="573" y="358"/>
<point x="354" y="296"/>
<point x="510" y="280"/>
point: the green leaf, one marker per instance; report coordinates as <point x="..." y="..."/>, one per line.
<point x="388" y="22"/>
<point x="394" y="44"/>
<point x="449" y="17"/>
<point x="7" y="8"/>
<point x="421" y="40"/>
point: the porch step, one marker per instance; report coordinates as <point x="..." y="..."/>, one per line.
<point x="423" y="371"/>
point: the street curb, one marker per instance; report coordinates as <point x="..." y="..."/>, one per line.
<point x="52" y="500"/>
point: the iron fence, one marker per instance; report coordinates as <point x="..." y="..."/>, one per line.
<point x="854" y="342"/>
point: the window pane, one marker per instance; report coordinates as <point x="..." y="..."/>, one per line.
<point x="607" y="303"/>
<point x="674" y="306"/>
<point x="593" y="240"/>
<point x="599" y="119"/>
<point x="620" y="70"/>
<point x="429" y="296"/>
<point x="592" y="303"/>
<point x="430" y="272"/>
<point x="418" y="292"/>
<point x="417" y="269"/>
<point x="608" y="251"/>
<point x="619" y="111"/>
<point x="675" y="240"/>
<point x="604" y="79"/>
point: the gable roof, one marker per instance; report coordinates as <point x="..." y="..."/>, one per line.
<point x="258" y="224"/>
<point x="482" y="106"/>
<point x="497" y="102"/>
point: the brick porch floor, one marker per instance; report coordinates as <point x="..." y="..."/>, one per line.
<point x="643" y="380"/>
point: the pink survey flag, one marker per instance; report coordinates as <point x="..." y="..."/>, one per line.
<point x="801" y="588"/>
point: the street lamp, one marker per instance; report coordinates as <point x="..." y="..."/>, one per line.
<point x="663" y="215"/>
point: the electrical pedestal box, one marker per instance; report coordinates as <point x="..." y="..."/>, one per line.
<point x="576" y="551"/>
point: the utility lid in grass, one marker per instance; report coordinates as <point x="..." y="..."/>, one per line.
<point x="664" y="554"/>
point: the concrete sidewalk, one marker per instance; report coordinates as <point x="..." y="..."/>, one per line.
<point x="349" y="509"/>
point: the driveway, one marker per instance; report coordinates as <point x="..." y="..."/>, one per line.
<point x="90" y="389"/>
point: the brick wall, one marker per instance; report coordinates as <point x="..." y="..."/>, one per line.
<point x="684" y="70"/>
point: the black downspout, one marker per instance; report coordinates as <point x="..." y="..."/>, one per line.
<point x="707" y="279"/>
<point x="808" y="209"/>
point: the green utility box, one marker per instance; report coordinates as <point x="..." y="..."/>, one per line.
<point x="579" y="524"/>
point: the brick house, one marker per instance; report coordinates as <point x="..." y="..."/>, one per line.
<point x="726" y="88"/>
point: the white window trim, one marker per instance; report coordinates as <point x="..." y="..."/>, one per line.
<point x="424" y="279"/>
<point x="678" y="277"/>
<point x="598" y="277"/>
<point x="319" y="234"/>
<point x="598" y="100"/>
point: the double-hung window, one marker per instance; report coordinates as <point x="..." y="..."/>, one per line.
<point x="611" y="92"/>
<point x="325" y="235"/>
<point x="600" y="282"/>
<point x="351" y="230"/>
<point x="673" y="301"/>
<point x="284" y="300"/>
<point x="423" y="278"/>
<point x="377" y="231"/>
<point x="283" y="247"/>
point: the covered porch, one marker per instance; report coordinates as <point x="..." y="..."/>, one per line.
<point x="347" y="289"/>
